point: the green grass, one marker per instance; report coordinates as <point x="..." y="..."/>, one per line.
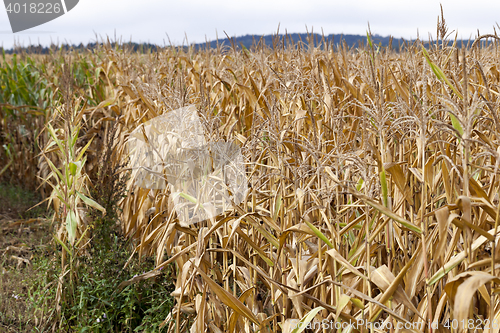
<point x="30" y="268"/>
<point x="17" y="201"/>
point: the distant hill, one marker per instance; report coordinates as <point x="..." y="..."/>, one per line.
<point x="247" y="41"/>
<point x="250" y="41"/>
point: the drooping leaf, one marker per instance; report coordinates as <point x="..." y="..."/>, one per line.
<point x="319" y="234"/>
<point x="389" y="213"/>
<point x="439" y="73"/>
<point x="90" y="202"/>
<point x="227" y="298"/>
<point x="458" y="258"/>
<point x="302" y="324"/>
<point x="461" y="288"/>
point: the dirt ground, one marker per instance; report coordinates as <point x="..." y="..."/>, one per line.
<point x="24" y="237"/>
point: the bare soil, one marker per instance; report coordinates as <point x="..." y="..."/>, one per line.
<point x="24" y="235"/>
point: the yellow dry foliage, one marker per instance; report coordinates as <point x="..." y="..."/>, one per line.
<point x="373" y="176"/>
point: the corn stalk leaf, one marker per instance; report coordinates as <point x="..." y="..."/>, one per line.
<point x="63" y="245"/>
<point x="386" y="211"/>
<point x="227" y="298"/>
<point x="442" y="77"/>
<point x="439" y="73"/>
<point x="188" y="197"/>
<point x="302" y="324"/>
<point x="71" y="225"/>
<point x="319" y="234"/>
<point x="457" y="259"/>
<point x="383" y="183"/>
<point x="90" y="202"/>
<point x="461" y="288"/>
<point x="84" y="149"/>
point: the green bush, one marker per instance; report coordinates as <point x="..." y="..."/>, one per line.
<point x="97" y="307"/>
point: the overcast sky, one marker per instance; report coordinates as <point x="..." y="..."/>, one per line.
<point x="152" y="20"/>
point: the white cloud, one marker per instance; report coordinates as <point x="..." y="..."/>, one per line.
<point x="151" y="20"/>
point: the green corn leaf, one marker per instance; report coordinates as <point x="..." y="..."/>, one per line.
<point x="74" y="137"/>
<point x="55" y="138"/>
<point x="90" y="202"/>
<point x="456" y="124"/>
<point x="359" y="185"/>
<point x="81" y="237"/>
<point x="458" y="258"/>
<point x="357" y="303"/>
<point x="439" y="73"/>
<point x="55" y="170"/>
<point x="369" y="39"/>
<point x="63" y="245"/>
<point x="56" y="193"/>
<point x="383" y="183"/>
<point x="387" y="212"/>
<point x="73" y="167"/>
<point x="277" y="206"/>
<point x="441" y="76"/>
<point x="188" y="197"/>
<point x="71" y="225"/>
<point x="84" y="149"/>
<point x="319" y="234"/>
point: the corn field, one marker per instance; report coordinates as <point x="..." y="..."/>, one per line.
<point x="373" y="177"/>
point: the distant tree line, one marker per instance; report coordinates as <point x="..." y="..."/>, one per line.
<point x="39" y="49"/>
<point x="248" y="42"/>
